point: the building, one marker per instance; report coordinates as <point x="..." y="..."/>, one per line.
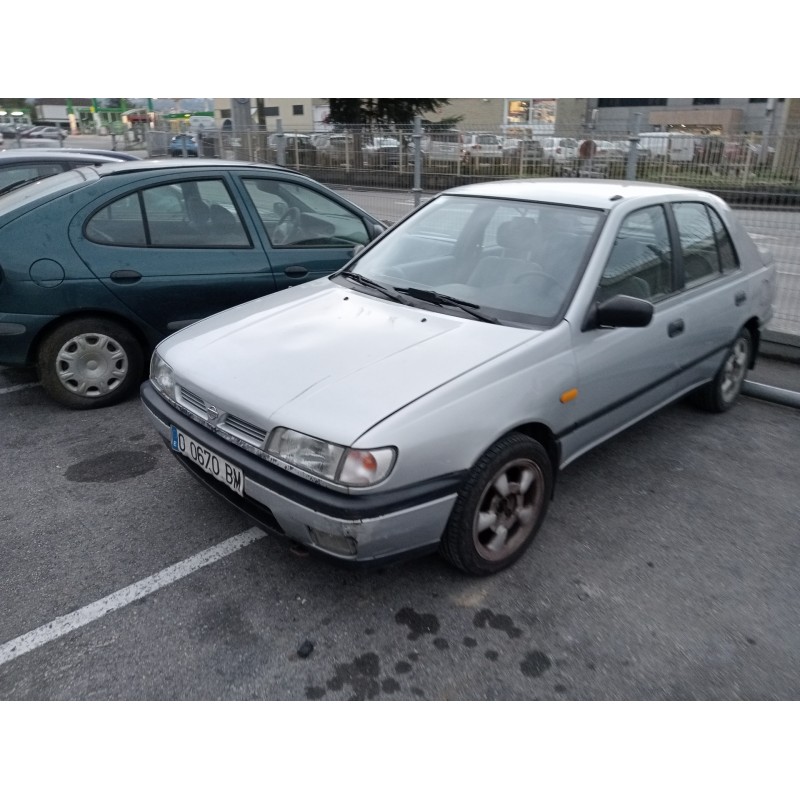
<point x="723" y="116"/>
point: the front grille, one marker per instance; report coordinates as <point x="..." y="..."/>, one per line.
<point x="240" y="427"/>
<point x="233" y="428"/>
<point x="193" y="401"/>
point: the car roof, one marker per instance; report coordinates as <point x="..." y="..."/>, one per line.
<point x="59" y="154"/>
<point x="167" y="164"/>
<point x="48" y="188"/>
<point x="589" y="193"/>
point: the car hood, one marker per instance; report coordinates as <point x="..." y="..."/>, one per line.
<point x="327" y="360"/>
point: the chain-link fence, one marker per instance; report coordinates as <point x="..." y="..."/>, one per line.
<point x="759" y="176"/>
<point x="737" y="164"/>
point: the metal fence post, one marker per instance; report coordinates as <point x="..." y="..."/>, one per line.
<point x="280" y="144"/>
<point x="417" y="137"/>
<point x="630" y="168"/>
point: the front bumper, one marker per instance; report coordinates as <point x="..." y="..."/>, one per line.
<point x="362" y="527"/>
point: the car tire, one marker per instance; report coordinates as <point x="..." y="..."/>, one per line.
<point x="500" y="507"/>
<point x="89" y="363"/>
<point x="720" y="394"/>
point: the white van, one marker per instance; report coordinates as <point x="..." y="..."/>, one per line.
<point x="673" y="146"/>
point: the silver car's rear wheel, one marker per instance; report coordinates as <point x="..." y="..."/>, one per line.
<point x="721" y="393"/>
<point x="500" y="508"/>
<point x="88" y="363"/>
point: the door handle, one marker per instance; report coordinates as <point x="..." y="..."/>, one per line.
<point x="675" y="328"/>
<point x="740" y="298"/>
<point x="295" y="272"/>
<point x="126" y="276"/>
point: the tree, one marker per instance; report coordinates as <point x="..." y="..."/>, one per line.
<point x="370" y="111"/>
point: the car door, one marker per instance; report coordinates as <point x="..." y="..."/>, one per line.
<point x="173" y="251"/>
<point x="715" y="289"/>
<point x="307" y="232"/>
<point x="625" y="373"/>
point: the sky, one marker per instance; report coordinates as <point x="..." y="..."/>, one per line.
<point x="424" y="50"/>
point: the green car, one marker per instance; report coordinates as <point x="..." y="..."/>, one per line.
<point x="98" y="264"/>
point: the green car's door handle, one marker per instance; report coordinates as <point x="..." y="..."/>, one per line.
<point x="126" y="276"/>
<point x="295" y="272"/>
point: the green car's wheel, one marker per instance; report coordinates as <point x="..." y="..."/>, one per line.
<point x="89" y="363"/>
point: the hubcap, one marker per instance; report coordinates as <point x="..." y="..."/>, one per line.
<point x="91" y="365"/>
<point x="509" y="508"/>
<point x="733" y="371"/>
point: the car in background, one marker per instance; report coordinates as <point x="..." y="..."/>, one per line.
<point x="381" y="151"/>
<point x="442" y="147"/>
<point x="481" y="146"/>
<point x="135" y="250"/>
<point x="524" y="151"/>
<point x="46" y="132"/>
<point x="21" y="166"/>
<point x="673" y="146"/>
<point x="333" y="149"/>
<point x="11" y="131"/>
<point x="297" y="148"/>
<point x="742" y="152"/>
<point x="182" y="144"/>
<point x="425" y="397"/>
<point x="560" y="151"/>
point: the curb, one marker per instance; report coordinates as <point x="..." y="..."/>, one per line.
<point x="783" y="346"/>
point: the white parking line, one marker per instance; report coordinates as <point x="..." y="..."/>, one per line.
<point x="83" y="616"/>
<point x="18" y="388"/>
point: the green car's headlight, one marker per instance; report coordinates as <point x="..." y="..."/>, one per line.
<point x="333" y="462"/>
<point x="162" y="376"/>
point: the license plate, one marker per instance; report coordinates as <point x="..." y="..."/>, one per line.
<point x="214" y="465"/>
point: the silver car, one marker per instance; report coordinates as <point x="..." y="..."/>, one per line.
<point x="426" y="396"/>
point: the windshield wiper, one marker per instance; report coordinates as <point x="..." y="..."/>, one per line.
<point x="429" y="296"/>
<point x="384" y="290"/>
<point x="17" y="184"/>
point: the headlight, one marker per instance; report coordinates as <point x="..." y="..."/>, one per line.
<point x="333" y="462"/>
<point x="162" y="376"/>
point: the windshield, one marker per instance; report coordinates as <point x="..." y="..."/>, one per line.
<point x="42" y="188"/>
<point x="516" y="261"/>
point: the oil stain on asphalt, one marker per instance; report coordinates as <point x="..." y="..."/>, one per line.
<point x="363" y="675"/>
<point x="112" y="467"/>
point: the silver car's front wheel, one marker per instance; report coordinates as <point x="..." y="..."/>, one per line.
<point x="500" y="508"/>
<point x="88" y="363"/>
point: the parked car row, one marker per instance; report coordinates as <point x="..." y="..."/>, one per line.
<point x="331" y="377"/>
<point x="33" y="132"/>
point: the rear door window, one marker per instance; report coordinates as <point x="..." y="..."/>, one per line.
<point x="182" y="214"/>
<point x="701" y="257"/>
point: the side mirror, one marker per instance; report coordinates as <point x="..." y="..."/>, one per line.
<point x="622" y="311"/>
<point x="356" y="250"/>
<point x="376" y="229"/>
